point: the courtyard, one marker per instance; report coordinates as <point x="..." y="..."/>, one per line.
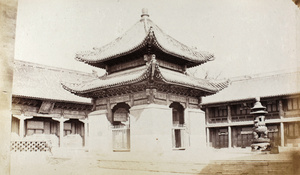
<point x="212" y="161"/>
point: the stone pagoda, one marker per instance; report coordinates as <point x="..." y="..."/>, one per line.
<point x="260" y="141"/>
<point x="145" y="101"/>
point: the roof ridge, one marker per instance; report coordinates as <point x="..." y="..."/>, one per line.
<point x="264" y="75"/>
<point x="48" y="67"/>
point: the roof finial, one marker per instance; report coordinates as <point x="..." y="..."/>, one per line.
<point x="144" y="13"/>
<point x="257" y="99"/>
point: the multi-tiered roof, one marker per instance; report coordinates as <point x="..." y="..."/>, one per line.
<point x="144" y="57"/>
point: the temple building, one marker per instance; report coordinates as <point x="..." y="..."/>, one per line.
<point x="228" y="119"/>
<point x="146" y="100"/>
<point x="44" y="115"/>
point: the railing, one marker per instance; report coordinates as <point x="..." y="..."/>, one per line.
<point x="292" y="113"/>
<point x="242" y="118"/>
<point x="121" y="138"/>
<point x="218" y="120"/>
<point x="273" y="115"/>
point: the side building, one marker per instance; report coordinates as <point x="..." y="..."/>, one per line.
<point x="228" y="119"/>
<point x="43" y="112"/>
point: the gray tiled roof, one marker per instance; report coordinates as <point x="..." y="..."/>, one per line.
<point x="136" y="38"/>
<point x="44" y="82"/>
<point x="185" y="80"/>
<point x="139" y="74"/>
<point x="263" y="86"/>
<point x="108" y="81"/>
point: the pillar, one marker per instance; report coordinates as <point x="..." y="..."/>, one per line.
<point x="282" y="134"/>
<point x="281" y="114"/>
<point x="228" y="114"/>
<point x="61" y="129"/>
<point x="229" y="127"/>
<point x="229" y="137"/>
<point x="22" y="119"/>
<point x="207" y="137"/>
<point x="85" y="122"/>
<point x="206" y="115"/>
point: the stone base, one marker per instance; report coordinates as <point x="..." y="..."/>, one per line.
<point x="260" y="147"/>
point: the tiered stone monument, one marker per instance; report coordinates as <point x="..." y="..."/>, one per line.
<point x="146" y="101"/>
<point x="260" y="141"/>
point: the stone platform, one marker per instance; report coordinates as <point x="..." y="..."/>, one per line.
<point x="215" y="162"/>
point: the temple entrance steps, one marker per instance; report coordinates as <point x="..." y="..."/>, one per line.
<point x="221" y="167"/>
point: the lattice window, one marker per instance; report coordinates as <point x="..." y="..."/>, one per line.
<point x="29" y="146"/>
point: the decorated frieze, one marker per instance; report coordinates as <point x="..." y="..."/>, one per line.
<point x="139" y="95"/>
<point x="193" y="106"/>
<point x="193" y="100"/>
<point x="101" y="107"/>
<point x="140" y="102"/>
<point x="146" y="97"/>
<point x="160" y="95"/>
<point x="160" y="102"/>
<point x="101" y="101"/>
<point x="118" y="99"/>
<point x="177" y="98"/>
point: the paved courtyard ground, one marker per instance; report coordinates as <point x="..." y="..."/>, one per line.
<point x="79" y="162"/>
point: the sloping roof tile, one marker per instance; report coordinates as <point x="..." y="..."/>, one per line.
<point x="43" y="82"/>
<point x="108" y="81"/>
<point x="137" y="37"/>
<point x="190" y="81"/>
<point x="139" y="74"/>
<point x="266" y="86"/>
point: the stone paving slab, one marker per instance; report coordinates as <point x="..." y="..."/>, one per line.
<point x="85" y="163"/>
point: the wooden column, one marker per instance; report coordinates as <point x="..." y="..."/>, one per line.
<point x="229" y="137"/>
<point x="206" y="115"/>
<point x="229" y="114"/>
<point x="207" y="137"/>
<point x="229" y="127"/>
<point x="282" y="134"/>
<point x="207" y="129"/>
<point x="281" y="114"/>
<point x="61" y="129"/>
<point x="22" y="119"/>
<point x="85" y="121"/>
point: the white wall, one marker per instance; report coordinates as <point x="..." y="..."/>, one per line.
<point x="99" y="132"/>
<point x="150" y="127"/>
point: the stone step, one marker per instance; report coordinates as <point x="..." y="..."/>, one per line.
<point x="235" y="167"/>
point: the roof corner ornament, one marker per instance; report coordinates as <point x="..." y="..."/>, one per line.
<point x="211" y="58"/>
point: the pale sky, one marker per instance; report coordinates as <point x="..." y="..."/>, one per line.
<point x="246" y="36"/>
